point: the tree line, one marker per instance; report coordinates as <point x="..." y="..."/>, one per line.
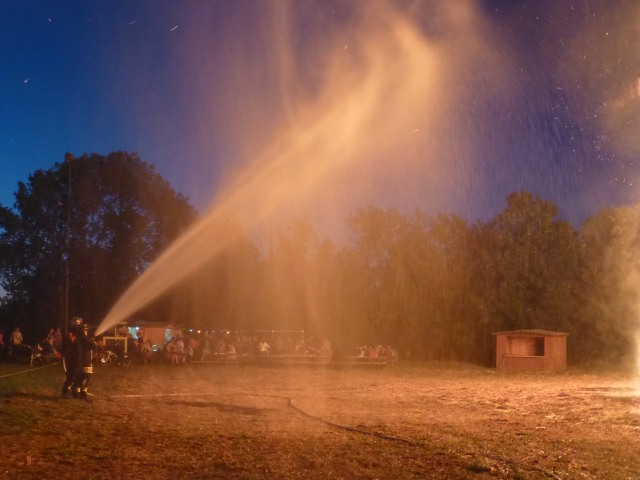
<point x="433" y="286"/>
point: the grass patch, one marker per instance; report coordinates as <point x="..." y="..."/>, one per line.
<point x="229" y="422"/>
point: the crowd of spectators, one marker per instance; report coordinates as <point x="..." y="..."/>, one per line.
<point x="188" y="347"/>
<point x="377" y="351"/>
<point x="207" y="346"/>
<point x="202" y="347"/>
<point x="15" y="348"/>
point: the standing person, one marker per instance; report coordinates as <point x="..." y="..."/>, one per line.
<point x="70" y="357"/>
<point x="57" y="339"/>
<point x="179" y="351"/>
<point x="263" y="347"/>
<point x="204" y="352"/>
<point x="15" y="343"/>
<point x="85" y="347"/>
<point x="16" y="337"/>
<point x="146" y="349"/>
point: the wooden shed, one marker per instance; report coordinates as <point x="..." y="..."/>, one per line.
<point x="531" y="350"/>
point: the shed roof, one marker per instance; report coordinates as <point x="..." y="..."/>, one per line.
<point x="533" y="332"/>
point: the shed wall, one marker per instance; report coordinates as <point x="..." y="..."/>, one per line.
<point x="527" y="352"/>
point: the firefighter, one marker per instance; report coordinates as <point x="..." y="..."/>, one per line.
<point x="85" y="347"/>
<point x="68" y="349"/>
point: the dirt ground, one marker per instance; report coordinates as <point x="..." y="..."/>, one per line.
<point x="234" y="422"/>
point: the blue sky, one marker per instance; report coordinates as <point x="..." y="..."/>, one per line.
<point x="102" y="76"/>
<point x="196" y="89"/>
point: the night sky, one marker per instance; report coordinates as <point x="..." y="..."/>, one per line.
<point x="542" y="95"/>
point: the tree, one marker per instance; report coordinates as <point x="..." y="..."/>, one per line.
<point x="460" y="322"/>
<point x="388" y="280"/>
<point x="611" y="274"/>
<point x="532" y="266"/>
<point x="105" y="219"/>
<point x="287" y="293"/>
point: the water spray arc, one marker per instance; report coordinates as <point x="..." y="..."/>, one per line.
<point x="358" y="113"/>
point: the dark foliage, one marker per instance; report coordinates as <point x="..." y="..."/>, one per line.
<point x="101" y="219"/>
<point x="433" y="287"/>
<point x="437" y="287"/>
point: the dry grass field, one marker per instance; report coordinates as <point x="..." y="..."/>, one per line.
<point x="234" y="422"/>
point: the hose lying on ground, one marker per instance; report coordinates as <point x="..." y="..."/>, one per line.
<point x="413" y="442"/>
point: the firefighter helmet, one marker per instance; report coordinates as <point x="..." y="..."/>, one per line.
<point x="76" y="324"/>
